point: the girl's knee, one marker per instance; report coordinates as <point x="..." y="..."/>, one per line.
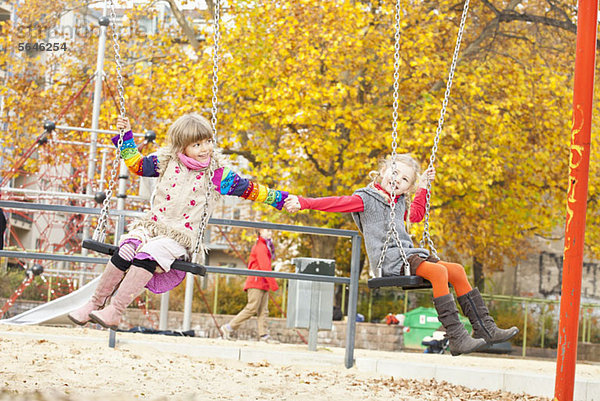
<point x="442" y="273"/>
<point x="457" y="276"/>
<point x="433" y="271"/>
<point x="438" y="276"/>
<point x="454" y="267"/>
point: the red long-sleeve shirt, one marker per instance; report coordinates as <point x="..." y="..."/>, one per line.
<point x="354" y="203"/>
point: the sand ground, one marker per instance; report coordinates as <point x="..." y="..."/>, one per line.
<point x="62" y="363"/>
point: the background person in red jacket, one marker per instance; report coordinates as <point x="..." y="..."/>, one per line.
<point x="261" y="255"/>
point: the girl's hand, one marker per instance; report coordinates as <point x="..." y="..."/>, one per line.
<point x="427" y="177"/>
<point x="123" y="124"/>
<point x="292" y="204"/>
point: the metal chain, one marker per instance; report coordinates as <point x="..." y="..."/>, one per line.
<point x="215" y="76"/>
<point x="392" y="231"/>
<point x="116" y="47"/>
<point x="426" y="240"/>
<point x="205" y="215"/>
<point x="215" y="108"/>
<point x="100" y="231"/>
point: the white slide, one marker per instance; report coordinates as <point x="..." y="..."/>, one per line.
<point x="55" y="311"/>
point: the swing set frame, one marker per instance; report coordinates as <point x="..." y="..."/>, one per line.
<point x="576" y="200"/>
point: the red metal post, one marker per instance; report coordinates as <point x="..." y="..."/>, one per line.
<point x="579" y="161"/>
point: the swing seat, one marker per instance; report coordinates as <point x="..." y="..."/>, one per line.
<point x="404" y="282"/>
<point x="108" y="249"/>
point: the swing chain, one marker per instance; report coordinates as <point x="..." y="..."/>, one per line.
<point x="426" y="240"/>
<point x="392" y="231"/>
<point x="119" y="65"/>
<point x="215" y="75"/>
<point x="215" y="108"/>
<point x="196" y="255"/>
<point x="100" y="231"/>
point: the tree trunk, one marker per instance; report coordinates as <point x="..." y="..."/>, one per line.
<point x="185" y="26"/>
<point x="478" y="277"/>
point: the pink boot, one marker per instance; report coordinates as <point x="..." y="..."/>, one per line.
<point x="109" y="281"/>
<point x="131" y="286"/>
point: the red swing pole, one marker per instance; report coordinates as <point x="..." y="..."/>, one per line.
<point x="579" y="161"/>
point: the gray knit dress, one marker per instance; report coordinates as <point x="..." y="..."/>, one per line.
<point x="373" y="223"/>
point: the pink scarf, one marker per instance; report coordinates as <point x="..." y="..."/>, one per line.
<point x="192" y="164"/>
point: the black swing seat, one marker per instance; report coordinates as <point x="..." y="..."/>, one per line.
<point x="405" y="282"/>
<point x="108" y="249"/>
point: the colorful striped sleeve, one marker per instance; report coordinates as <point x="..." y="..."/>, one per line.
<point x="146" y="166"/>
<point x="228" y="182"/>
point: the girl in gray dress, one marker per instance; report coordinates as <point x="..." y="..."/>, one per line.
<point x="370" y="208"/>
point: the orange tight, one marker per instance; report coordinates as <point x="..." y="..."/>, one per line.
<point x="440" y="273"/>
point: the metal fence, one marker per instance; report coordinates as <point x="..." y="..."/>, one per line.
<point x="534" y="312"/>
<point x="120" y="215"/>
<point x="350" y="285"/>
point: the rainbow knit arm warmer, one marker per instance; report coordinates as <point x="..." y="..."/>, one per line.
<point x="227" y="182"/>
<point x="146" y="166"/>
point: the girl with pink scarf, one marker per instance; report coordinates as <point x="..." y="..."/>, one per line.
<point x="169" y="230"/>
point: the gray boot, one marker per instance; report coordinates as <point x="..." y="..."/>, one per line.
<point x="460" y="340"/>
<point x="483" y="324"/>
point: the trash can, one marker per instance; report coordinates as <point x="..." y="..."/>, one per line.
<point x="423" y="322"/>
<point x="310" y="303"/>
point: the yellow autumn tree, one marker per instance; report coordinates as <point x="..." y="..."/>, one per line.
<point x="306" y="94"/>
<point x="309" y="95"/>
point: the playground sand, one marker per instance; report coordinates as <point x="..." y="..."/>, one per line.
<point x="62" y="363"/>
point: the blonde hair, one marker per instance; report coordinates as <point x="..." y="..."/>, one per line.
<point x="187" y="129"/>
<point x="385" y="164"/>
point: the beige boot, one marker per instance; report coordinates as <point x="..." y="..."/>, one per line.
<point x="131" y="286"/>
<point x="109" y="281"/>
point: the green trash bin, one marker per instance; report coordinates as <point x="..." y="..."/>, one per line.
<point x="422" y="322"/>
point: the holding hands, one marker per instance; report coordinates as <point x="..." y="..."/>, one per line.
<point x="427" y="177"/>
<point x="123" y="124"/>
<point x="292" y="204"/>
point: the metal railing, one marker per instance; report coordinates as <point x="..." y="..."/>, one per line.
<point x="587" y="312"/>
<point x="351" y="281"/>
<point x="527" y="302"/>
<point x="349" y="284"/>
